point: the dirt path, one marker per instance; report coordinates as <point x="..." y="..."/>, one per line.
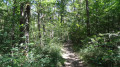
<point x="71" y="58"/>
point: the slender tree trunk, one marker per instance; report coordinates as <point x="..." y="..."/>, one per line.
<point x="27" y="17"/>
<point x="27" y="22"/>
<point x="62" y="11"/>
<point x="39" y="25"/>
<point x="118" y="26"/>
<point x="13" y="24"/>
<point x="42" y="20"/>
<point x="39" y="20"/>
<point x="97" y="18"/>
<point x="113" y="25"/>
<point x="22" y="23"/>
<point x="108" y="30"/>
<point x="13" y="28"/>
<point x="61" y="18"/>
<point x="58" y="17"/>
<point x="88" y="23"/>
<point x="44" y="29"/>
<point x="74" y="4"/>
<point x="118" y="22"/>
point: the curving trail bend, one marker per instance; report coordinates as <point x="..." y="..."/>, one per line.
<point x="72" y="60"/>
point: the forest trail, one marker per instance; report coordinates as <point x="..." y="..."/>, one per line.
<point x="71" y="59"/>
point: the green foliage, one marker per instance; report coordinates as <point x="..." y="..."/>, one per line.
<point x="45" y="56"/>
<point x="102" y="50"/>
<point x="77" y="32"/>
<point x="53" y="22"/>
<point x="5" y="47"/>
<point x="49" y="55"/>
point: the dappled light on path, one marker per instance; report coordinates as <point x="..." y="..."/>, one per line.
<point x="71" y="59"/>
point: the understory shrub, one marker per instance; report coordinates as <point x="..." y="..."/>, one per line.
<point x="49" y="56"/>
<point x="77" y="33"/>
<point x="38" y="56"/>
<point x="102" y="50"/>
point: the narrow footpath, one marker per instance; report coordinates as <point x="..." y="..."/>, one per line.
<point x="72" y="60"/>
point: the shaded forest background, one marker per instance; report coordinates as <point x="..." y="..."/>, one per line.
<point x="32" y="32"/>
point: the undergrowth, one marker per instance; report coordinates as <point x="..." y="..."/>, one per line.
<point x="102" y="50"/>
<point x="48" y="55"/>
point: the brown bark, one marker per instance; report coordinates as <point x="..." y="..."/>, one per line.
<point x="74" y="5"/>
<point x="61" y="18"/>
<point x="13" y="28"/>
<point x="62" y="11"/>
<point x="22" y="23"/>
<point x="44" y="29"/>
<point x="97" y="26"/>
<point x="88" y="23"/>
<point x="39" y="25"/>
<point x="13" y="24"/>
<point x="108" y="30"/>
<point x="27" y="21"/>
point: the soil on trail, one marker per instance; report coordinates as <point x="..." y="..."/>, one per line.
<point x="71" y="59"/>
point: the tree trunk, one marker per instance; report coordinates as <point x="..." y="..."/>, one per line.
<point x="88" y="24"/>
<point x="97" y="26"/>
<point x="22" y="23"/>
<point x="39" y="25"/>
<point x="13" y="24"/>
<point x="108" y="30"/>
<point x="43" y="29"/>
<point x="74" y="5"/>
<point x="62" y="11"/>
<point x="13" y="28"/>
<point x="61" y="18"/>
<point x="27" y="21"/>
<point x="27" y="18"/>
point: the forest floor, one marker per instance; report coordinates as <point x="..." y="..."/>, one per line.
<point x="71" y="58"/>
